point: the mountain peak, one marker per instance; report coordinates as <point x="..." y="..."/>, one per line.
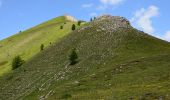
<point x="70" y="18"/>
<point x="114" y="21"/>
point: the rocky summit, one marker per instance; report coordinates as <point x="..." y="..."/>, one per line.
<point x="113" y="21"/>
<point x="108" y="23"/>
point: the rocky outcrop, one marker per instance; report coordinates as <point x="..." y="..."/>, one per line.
<point x="70" y="18"/>
<point x="112" y="22"/>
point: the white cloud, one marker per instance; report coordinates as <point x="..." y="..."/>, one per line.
<point x="167" y="36"/>
<point x="143" y="18"/>
<point x="101" y="7"/>
<point x="105" y="4"/>
<point x="111" y="2"/>
<point x="87" y="5"/>
<point x="93" y="14"/>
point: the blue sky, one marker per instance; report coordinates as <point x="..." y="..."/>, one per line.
<point x="151" y="16"/>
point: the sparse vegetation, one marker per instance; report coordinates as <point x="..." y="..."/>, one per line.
<point x="17" y="62"/>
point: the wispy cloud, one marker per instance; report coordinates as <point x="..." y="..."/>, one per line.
<point x="93" y="14"/>
<point x="111" y="2"/>
<point x="101" y="7"/>
<point x="108" y="3"/>
<point x="143" y="18"/>
<point x="87" y="5"/>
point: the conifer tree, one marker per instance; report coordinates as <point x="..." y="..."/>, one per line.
<point x="79" y="23"/>
<point x="61" y="27"/>
<point x="17" y="62"/>
<point x="73" y="57"/>
<point x="73" y="27"/>
<point x="42" y="47"/>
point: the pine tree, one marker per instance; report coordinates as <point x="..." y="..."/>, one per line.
<point x="42" y="47"/>
<point x="61" y="27"/>
<point x="73" y="27"/>
<point x="94" y="18"/>
<point x="91" y="19"/>
<point x="17" y="62"/>
<point x="79" y="23"/>
<point x="73" y="57"/>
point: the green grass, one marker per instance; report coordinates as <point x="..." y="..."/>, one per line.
<point x="27" y="43"/>
<point x="119" y="65"/>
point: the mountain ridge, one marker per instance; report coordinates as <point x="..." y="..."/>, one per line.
<point x="114" y="63"/>
<point x="27" y="43"/>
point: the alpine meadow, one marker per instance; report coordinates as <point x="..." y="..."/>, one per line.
<point x="105" y="58"/>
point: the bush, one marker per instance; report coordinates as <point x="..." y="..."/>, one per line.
<point x="17" y="62"/>
<point x="73" y="57"/>
<point x="94" y="18"/>
<point x="61" y="27"/>
<point x="42" y="47"/>
<point x="73" y="27"/>
<point x="79" y="23"/>
<point x="91" y="19"/>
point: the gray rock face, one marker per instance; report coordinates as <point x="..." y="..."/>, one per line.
<point x="109" y="22"/>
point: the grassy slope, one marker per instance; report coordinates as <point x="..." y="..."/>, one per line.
<point x="27" y="43"/>
<point x="120" y="65"/>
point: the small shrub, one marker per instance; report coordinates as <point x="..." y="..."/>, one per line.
<point x="17" y="62"/>
<point x="73" y="57"/>
<point x="61" y="27"/>
<point x="42" y="47"/>
<point x="73" y="27"/>
<point x="91" y="19"/>
<point x="79" y="23"/>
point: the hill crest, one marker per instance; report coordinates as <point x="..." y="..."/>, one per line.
<point x="70" y="18"/>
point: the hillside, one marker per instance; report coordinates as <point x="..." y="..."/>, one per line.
<point x="116" y="62"/>
<point x="27" y="43"/>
